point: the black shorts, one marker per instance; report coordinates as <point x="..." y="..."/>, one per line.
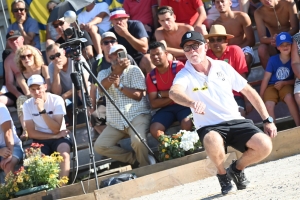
<point x="235" y="133"/>
<point x="51" y="145"/>
<point x="12" y="97"/>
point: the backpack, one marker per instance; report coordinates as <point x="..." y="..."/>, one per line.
<point x="153" y="75"/>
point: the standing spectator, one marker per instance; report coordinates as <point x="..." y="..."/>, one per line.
<point x="219" y="49"/>
<point x="159" y="82"/>
<point x="191" y="12"/>
<point x="144" y="11"/>
<point x="30" y="62"/>
<point x="126" y="84"/>
<point x="27" y="26"/>
<point x="170" y="32"/>
<point x="95" y="20"/>
<point x="14" y="41"/>
<point x="11" y="151"/>
<point x="205" y="85"/>
<point x="239" y="25"/>
<point x="108" y="40"/>
<point x="132" y="35"/>
<point x="276" y="16"/>
<point x="44" y="119"/>
<point x="278" y="82"/>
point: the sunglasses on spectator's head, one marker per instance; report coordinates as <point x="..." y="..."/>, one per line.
<point x="18" y="9"/>
<point x="52" y="57"/>
<point x="60" y="23"/>
<point x="219" y="39"/>
<point x="109" y="41"/>
<point x="23" y="57"/>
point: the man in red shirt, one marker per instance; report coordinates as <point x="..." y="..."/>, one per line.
<point x="159" y="82"/>
<point x="144" y="11"/>
<point x="233" y="55"/>
<point x="191" y="12"/>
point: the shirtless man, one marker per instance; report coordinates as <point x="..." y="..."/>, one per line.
<point x="276" y="16"/>
<point x="15" y="41"/>
<point x="237" y="23"/>
<point x="171" y="32"/>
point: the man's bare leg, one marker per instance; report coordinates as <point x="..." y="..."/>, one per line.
<point x="64" y="150"/>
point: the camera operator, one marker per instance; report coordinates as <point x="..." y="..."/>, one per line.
<point x="60" y="70"/>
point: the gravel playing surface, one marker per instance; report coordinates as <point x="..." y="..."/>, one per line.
<point x="278" y="179"/>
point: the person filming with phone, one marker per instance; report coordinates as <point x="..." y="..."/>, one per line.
<point x="126" y="85"/>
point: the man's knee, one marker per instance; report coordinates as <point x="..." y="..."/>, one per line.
<point x="263" y="49"/>
<point x="212" y="138"/>
<point x="156" y="129"/>
<point x="145" y="64"/>
<point x="261" y="143"/>
<point x="186" y="124"/>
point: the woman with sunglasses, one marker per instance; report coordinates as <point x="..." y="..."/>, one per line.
<point x="30" y="62"/>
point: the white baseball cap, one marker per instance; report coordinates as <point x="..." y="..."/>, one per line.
<point x="35" y="79"/>
<point x="117" y="47"/>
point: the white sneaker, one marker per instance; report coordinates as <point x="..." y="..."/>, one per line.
<point x="151" y="159"/>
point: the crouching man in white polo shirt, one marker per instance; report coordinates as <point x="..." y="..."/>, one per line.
<point x="44" y="119"/>
<point x="206" y="85"/>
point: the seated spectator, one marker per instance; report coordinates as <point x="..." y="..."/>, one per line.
<point x="126" y="84"/>
<point x="238" y="24"/>
<point x="87" y="48"/>
<point x="277" y="17"/>
<point x="132" y="35"/>
<point x="51" y="33"/>
<point x="14" y="41"/>
<point x="278" y="82"/>
<point x="236" y="5"/>
<point x="44" y="119"/>
<point x="192" y="13"/>
<point x="27" y="26"/>
<point x="159" y="82"/>
<point x="144" y="11"/>
<point x="295" y="60"/>
<point x="30" y="62"/>
<point x="60" y="70"/>
<point x="170" y="32"/>
<point x="11" y="151"/>
<point x="218" y="41"/>
<point x="98" y="116"/>
<point x="95" y="20"/>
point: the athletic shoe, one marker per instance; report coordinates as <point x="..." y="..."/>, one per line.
<point x="225" y="182"/>
<point x="238" y="178"/>
<point x="151" y="160"/>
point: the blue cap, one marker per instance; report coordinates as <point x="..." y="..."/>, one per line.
<point x="283" y="37"/>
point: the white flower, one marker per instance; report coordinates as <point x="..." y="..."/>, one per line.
<point x="188" y="140"/>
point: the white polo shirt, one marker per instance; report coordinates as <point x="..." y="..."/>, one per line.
<point x="214" y="90"/>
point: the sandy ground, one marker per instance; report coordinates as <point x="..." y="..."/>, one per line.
<point x="273" y="180"/>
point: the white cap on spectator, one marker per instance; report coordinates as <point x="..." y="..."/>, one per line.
<point x="117" y="47"/>
<point x="35" y="79"/>
<point x="108" y="34"/>
<point x="120" y="13"/>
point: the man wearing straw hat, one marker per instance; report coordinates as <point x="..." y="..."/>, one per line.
<point x="205" y="85"/>
<point x="218" y="41"/>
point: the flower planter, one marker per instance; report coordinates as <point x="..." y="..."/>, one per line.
<point x="31" y="190"/>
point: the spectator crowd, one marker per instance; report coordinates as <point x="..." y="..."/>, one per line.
<point x="136" y="53"/>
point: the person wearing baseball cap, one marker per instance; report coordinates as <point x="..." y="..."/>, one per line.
<point x="126" y="83"/>
<point x="44" y="119"/>
<point x="108" y="40"/>
<point x="278" y="82"/>
<point x="133" y="36"/>
<point x="205" y="85"/>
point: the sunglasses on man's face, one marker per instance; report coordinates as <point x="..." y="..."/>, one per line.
<point x="60" y="23"/>
<point x="219" y="40"/>
<point x="52" y="57"/>
<point x="23" y="57"/>
<point x="108" y="42"/>
<point x="18" y="9"/>
<point x="195" y="46"/>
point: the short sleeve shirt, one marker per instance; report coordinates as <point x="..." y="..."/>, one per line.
<point x="54" y="105"/>
<point x="279" y="71"/>
<point x="214" y="90"/>
<point x="30" y="26"/>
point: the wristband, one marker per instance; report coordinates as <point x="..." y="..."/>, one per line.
<point x="43" y="112"/>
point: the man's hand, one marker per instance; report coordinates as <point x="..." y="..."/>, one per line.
<point x="40" y="104"/>
<point x="270" y="129"/>
<point x="278" y="85"/>
<point x="199" y="107"/>
<point x="5" y="161"/>
<point x="62" y="133"/>
<point x="5" y="152"/>
<point x="21" y="19"/>
<point x="122" y="30"/>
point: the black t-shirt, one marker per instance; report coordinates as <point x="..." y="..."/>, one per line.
<point x="105" y="65"/>
<point x="136" y="29"/>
